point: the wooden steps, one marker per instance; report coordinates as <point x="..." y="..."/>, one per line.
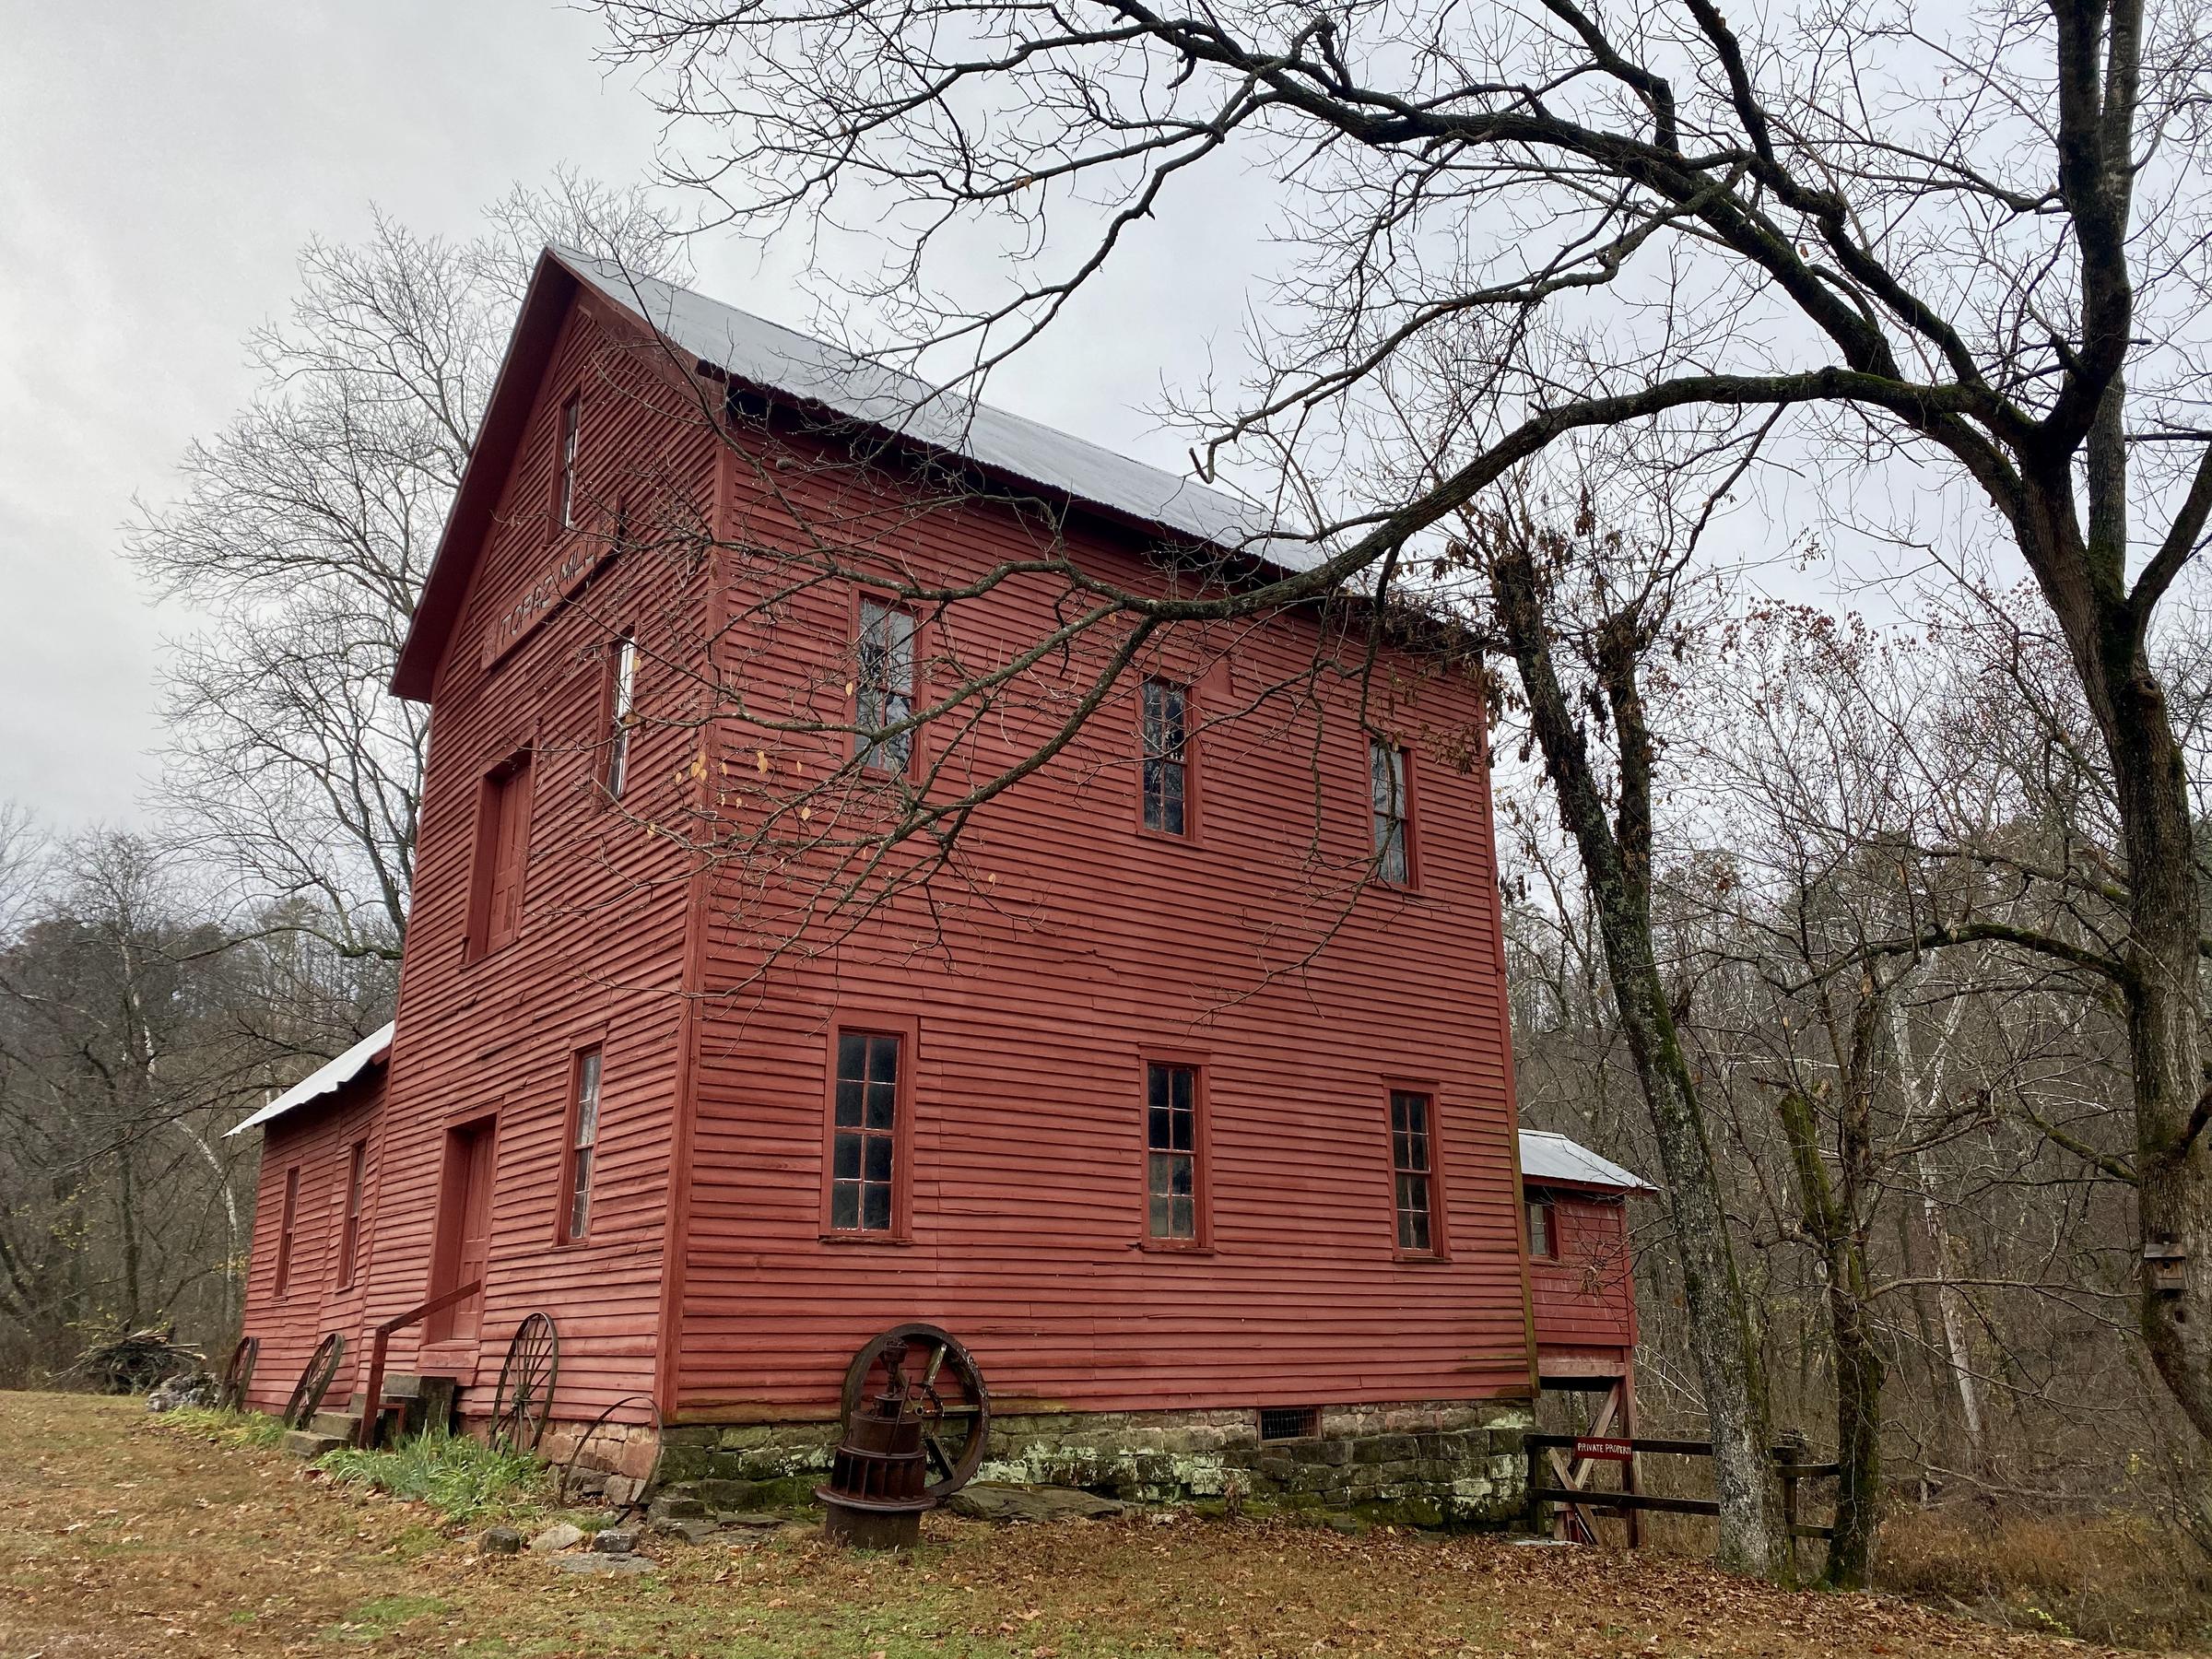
<point x="412" y="1402"/>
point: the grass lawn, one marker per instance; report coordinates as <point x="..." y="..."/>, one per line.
<point x="121" y="1536"/>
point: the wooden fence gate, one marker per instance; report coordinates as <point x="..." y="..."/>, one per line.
<point x="1570" y="1509"/>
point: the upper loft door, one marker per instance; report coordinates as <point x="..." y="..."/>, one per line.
<point x="464" y="1237"/>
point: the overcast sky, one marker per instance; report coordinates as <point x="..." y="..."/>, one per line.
<point x="160" y="165"/>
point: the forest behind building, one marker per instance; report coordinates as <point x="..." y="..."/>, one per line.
<point x="1886" y="871"/>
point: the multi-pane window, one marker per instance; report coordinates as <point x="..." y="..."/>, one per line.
<point x="1171" y="1151"/>
<point x="1167" y="757"/>
<point x="864" y="1140"/>
<point x="883" y="688"/>
<point x="1413" y="1171"/>
<point x="1386" y="770"/>
<point x="624" y="712"/>
<point x="287" y="1226"/>
<point x="582" y="1144"/>
<point x="1543" y="1231"/>
<point x="564" y="472"/>
<point x="349" y="1235"/>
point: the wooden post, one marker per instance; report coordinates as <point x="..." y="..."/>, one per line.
<point x="1536" y="1479"/>
<point x="1788" y="1455"/>
<point x="1632" y="1475"/>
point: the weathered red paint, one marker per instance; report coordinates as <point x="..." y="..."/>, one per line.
<point x="1583" y="1296"/>
<point x="708" y="1279"/>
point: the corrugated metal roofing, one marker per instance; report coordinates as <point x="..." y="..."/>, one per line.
<point x="1549" y="1156"/>
<point x="369" y="1051"/>
<point x="781" y="360"/>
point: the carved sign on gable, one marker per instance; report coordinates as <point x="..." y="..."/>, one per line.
<point x="571" y="564"/>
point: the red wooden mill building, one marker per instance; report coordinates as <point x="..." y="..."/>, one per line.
<point x="1178" y="1088"/>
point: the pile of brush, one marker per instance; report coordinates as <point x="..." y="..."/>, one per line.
<point x="135" y="1361"/>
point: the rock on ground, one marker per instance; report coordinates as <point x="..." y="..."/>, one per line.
<point x="559" y="1537"/>
<point x="598" y="1563"/>
<point x="500" y="1540"/>
<point x="187" y="1388"/>
<point x="988" y="1502"/>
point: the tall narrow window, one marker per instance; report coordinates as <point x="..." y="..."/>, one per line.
<point x="1172" y="1152"/>
<point x="624" y="707"/>
<point x="564" y="465"/>
<point x="350" y="1234"/>
<point x="884" y="690"/>
<point x="288" y="1222"/>
<point x="1386" y="769"/>
<point x="1413" y="1173"/>
<point x="502" y="856"/>
<point x="864" y="1137"/>
<point x="583" y="1141"/>
<point x="1543" y="1231"/>
<point x="1167" y="759"/>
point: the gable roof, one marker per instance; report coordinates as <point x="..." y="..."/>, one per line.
<point x="370" y="1051"/>
<point x="827" y="382"/>
<point x="1546" y="1157"/>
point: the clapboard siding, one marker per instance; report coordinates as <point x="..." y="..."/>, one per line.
<point x="1251" y="948"/>
<point x="1064" y="946"/>
<point x="599" y="956"/>
<point x="317" y="1140"/>
<point x="1585" y="1299"/>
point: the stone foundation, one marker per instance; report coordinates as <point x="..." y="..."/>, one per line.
<point x="1429" y="1463"/>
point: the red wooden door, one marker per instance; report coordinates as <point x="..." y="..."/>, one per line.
<point x="463" y="1229"/>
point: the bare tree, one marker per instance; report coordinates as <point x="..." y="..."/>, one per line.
<point x="1888" y="244"/>
<point x="304" y="532"/>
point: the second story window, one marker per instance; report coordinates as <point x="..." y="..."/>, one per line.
<point x="583" y="1141"/>
<point x="564" y="463"/>
<point x="623" y="707"/>
<point x="864" y="1144"/>
<point x="502" y="856"/>
<point x="1167" y="757"/>
<point x="883" y="688"/>
<point x="1386" y="775"/>
<point x="1171" y="1214"/>
<point x="349" y="1236"/>
<point x="1413" y="1173"/>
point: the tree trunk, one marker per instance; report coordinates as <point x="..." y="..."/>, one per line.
<point x="1833" y="1214"/>
<point x="1920" y="1100"/>
<point x="1615" y="862"/>
<point x="2105" y="626"/>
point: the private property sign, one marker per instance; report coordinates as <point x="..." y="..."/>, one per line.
<point x="1604" y="1449"/>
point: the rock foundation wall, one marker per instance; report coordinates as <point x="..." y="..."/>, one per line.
<point x="1434" y="1463"/>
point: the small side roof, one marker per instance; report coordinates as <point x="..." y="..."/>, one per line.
<point x="369" y="1051"/>
<point x="1548" y="1157"/>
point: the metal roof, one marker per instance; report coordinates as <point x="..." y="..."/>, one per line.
<point x="781" y="360"/>
<point x="1549" y="1156"/>
<point x="369" y="1051"/>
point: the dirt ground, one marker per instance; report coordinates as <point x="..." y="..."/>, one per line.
<point x="119" y="1537"/>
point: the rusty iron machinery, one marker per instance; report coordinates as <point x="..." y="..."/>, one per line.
<point x="878" y="1481"/>
<point x="946" y="1391"/>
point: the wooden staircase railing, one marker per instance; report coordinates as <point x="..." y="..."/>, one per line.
<point x="372" y="1392"/>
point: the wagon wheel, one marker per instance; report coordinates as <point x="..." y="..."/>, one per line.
<point x="238" y="1376"/>
<point x="314" y="1382"/>
<point x="947" y="1393"/>
<point x="527" y="1379"/>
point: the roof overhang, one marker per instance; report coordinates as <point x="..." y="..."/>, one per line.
<point x="850" y="393"/>
<point x="506" y="416"/>
<point x="371" y="1052"/>
<point x="1551" y="1159"/>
